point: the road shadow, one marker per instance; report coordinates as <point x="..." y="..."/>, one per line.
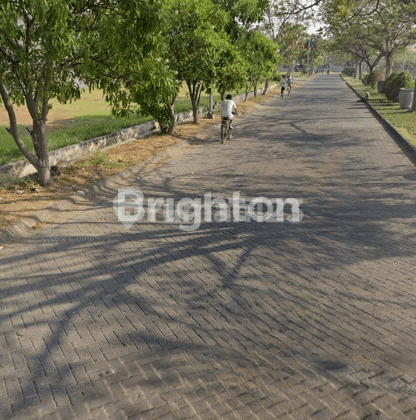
<point x="153" y="320"/>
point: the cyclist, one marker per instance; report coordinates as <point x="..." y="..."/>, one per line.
<point x="282" y="87"/>
<point x="289" y="85"/>
<point x="229" y="108"/>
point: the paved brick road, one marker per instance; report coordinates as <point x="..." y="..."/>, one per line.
<point x="235" y="320"/>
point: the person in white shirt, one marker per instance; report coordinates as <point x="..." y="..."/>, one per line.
<point x="229" y="108"/>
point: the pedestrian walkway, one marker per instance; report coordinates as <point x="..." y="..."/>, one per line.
<point x="233" y="320"/>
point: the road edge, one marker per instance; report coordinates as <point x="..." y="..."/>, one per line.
<point x="400" y="140"/>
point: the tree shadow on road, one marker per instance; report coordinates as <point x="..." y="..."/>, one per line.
<point x="154" y="321"/>
<point x="216" y="298"/>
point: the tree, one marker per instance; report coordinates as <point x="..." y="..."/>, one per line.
<point x="137" y="82"/>
<point x="196" y="43"/>
<point x="285" y="22"/>
<point x="285" y="16"/>
<point x="261" y="55"/>
<point x="386" y="26"/>
<point x="150" y="84"/>
<point x="243" y="15"/>
<point x="406" y="60"/>
<point x="316" y="49"/>
<point x="45" y="47"/>
<point x="231" y="74"/>
<point x="292" y="43"/>
<point x="129" y="61"/>
<point x="353" y="41"/>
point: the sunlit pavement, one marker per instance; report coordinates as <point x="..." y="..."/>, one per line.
<point x="236" y="319"/>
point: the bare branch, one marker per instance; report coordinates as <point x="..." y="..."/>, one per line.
<point x="13" y="126"/>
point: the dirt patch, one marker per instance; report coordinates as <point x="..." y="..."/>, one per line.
<point x="26" y="197"/>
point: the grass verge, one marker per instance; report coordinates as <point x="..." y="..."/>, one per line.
<point x="78" y="121"/>
<point x="67" y="132"/>
<point x="402" y="119"/>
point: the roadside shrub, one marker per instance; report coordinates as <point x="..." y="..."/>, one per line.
<point x="395" y="82"/>
<point x="349" y="71"/>
<point x="389" y="82"/>
<point x="365" y="79"/>
<point x="374" y="77"/>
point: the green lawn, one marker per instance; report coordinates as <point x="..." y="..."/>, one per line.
<point x="403" y="120"/>
<point x="81" y="120"/>
<point x="69" y="124"/>
<point x="81" y="128"/>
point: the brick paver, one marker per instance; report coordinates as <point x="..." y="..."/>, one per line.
<point x="235" y="320"/>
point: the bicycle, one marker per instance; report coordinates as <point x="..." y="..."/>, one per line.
<point x="226" y="131"/>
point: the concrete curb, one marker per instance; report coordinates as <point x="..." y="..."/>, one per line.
<point x="400" y="140"/>
<point x="70" y="154"/>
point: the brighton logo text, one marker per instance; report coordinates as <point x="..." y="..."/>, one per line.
<point x="130" y="206"/>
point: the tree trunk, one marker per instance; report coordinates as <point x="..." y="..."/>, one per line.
<point x="373" y="65"/>
<point x="247" y="91"/>
<point x="195" y="110"/>
<point x="266" y="87"/>
<point x="389" y="63"/>
<point x="211" y="104"/>
<point x="40" y="144"/>
<point x="414" y="99"/>
<point x="171" y="111"/>
<point x="45" y="174"/>
<point x="195" y="90"/>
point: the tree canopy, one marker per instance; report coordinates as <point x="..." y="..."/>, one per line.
<point x="140" y="52"/>
<point x="381" y="28"/>
<point x="47" y="48"/>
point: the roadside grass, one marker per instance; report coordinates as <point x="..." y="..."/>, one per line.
<point x="68" y="124"/>
<point x="402" y="119"/>
<point x="300" y="75"/>
<point x="81" y="120"/>
<point x="103" y="160"/>
<point x="66" y="133"/>
<point x="8" y="148"/>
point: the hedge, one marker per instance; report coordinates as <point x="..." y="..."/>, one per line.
<point x="373" y="78"/>
<point x="395" y="82"/>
